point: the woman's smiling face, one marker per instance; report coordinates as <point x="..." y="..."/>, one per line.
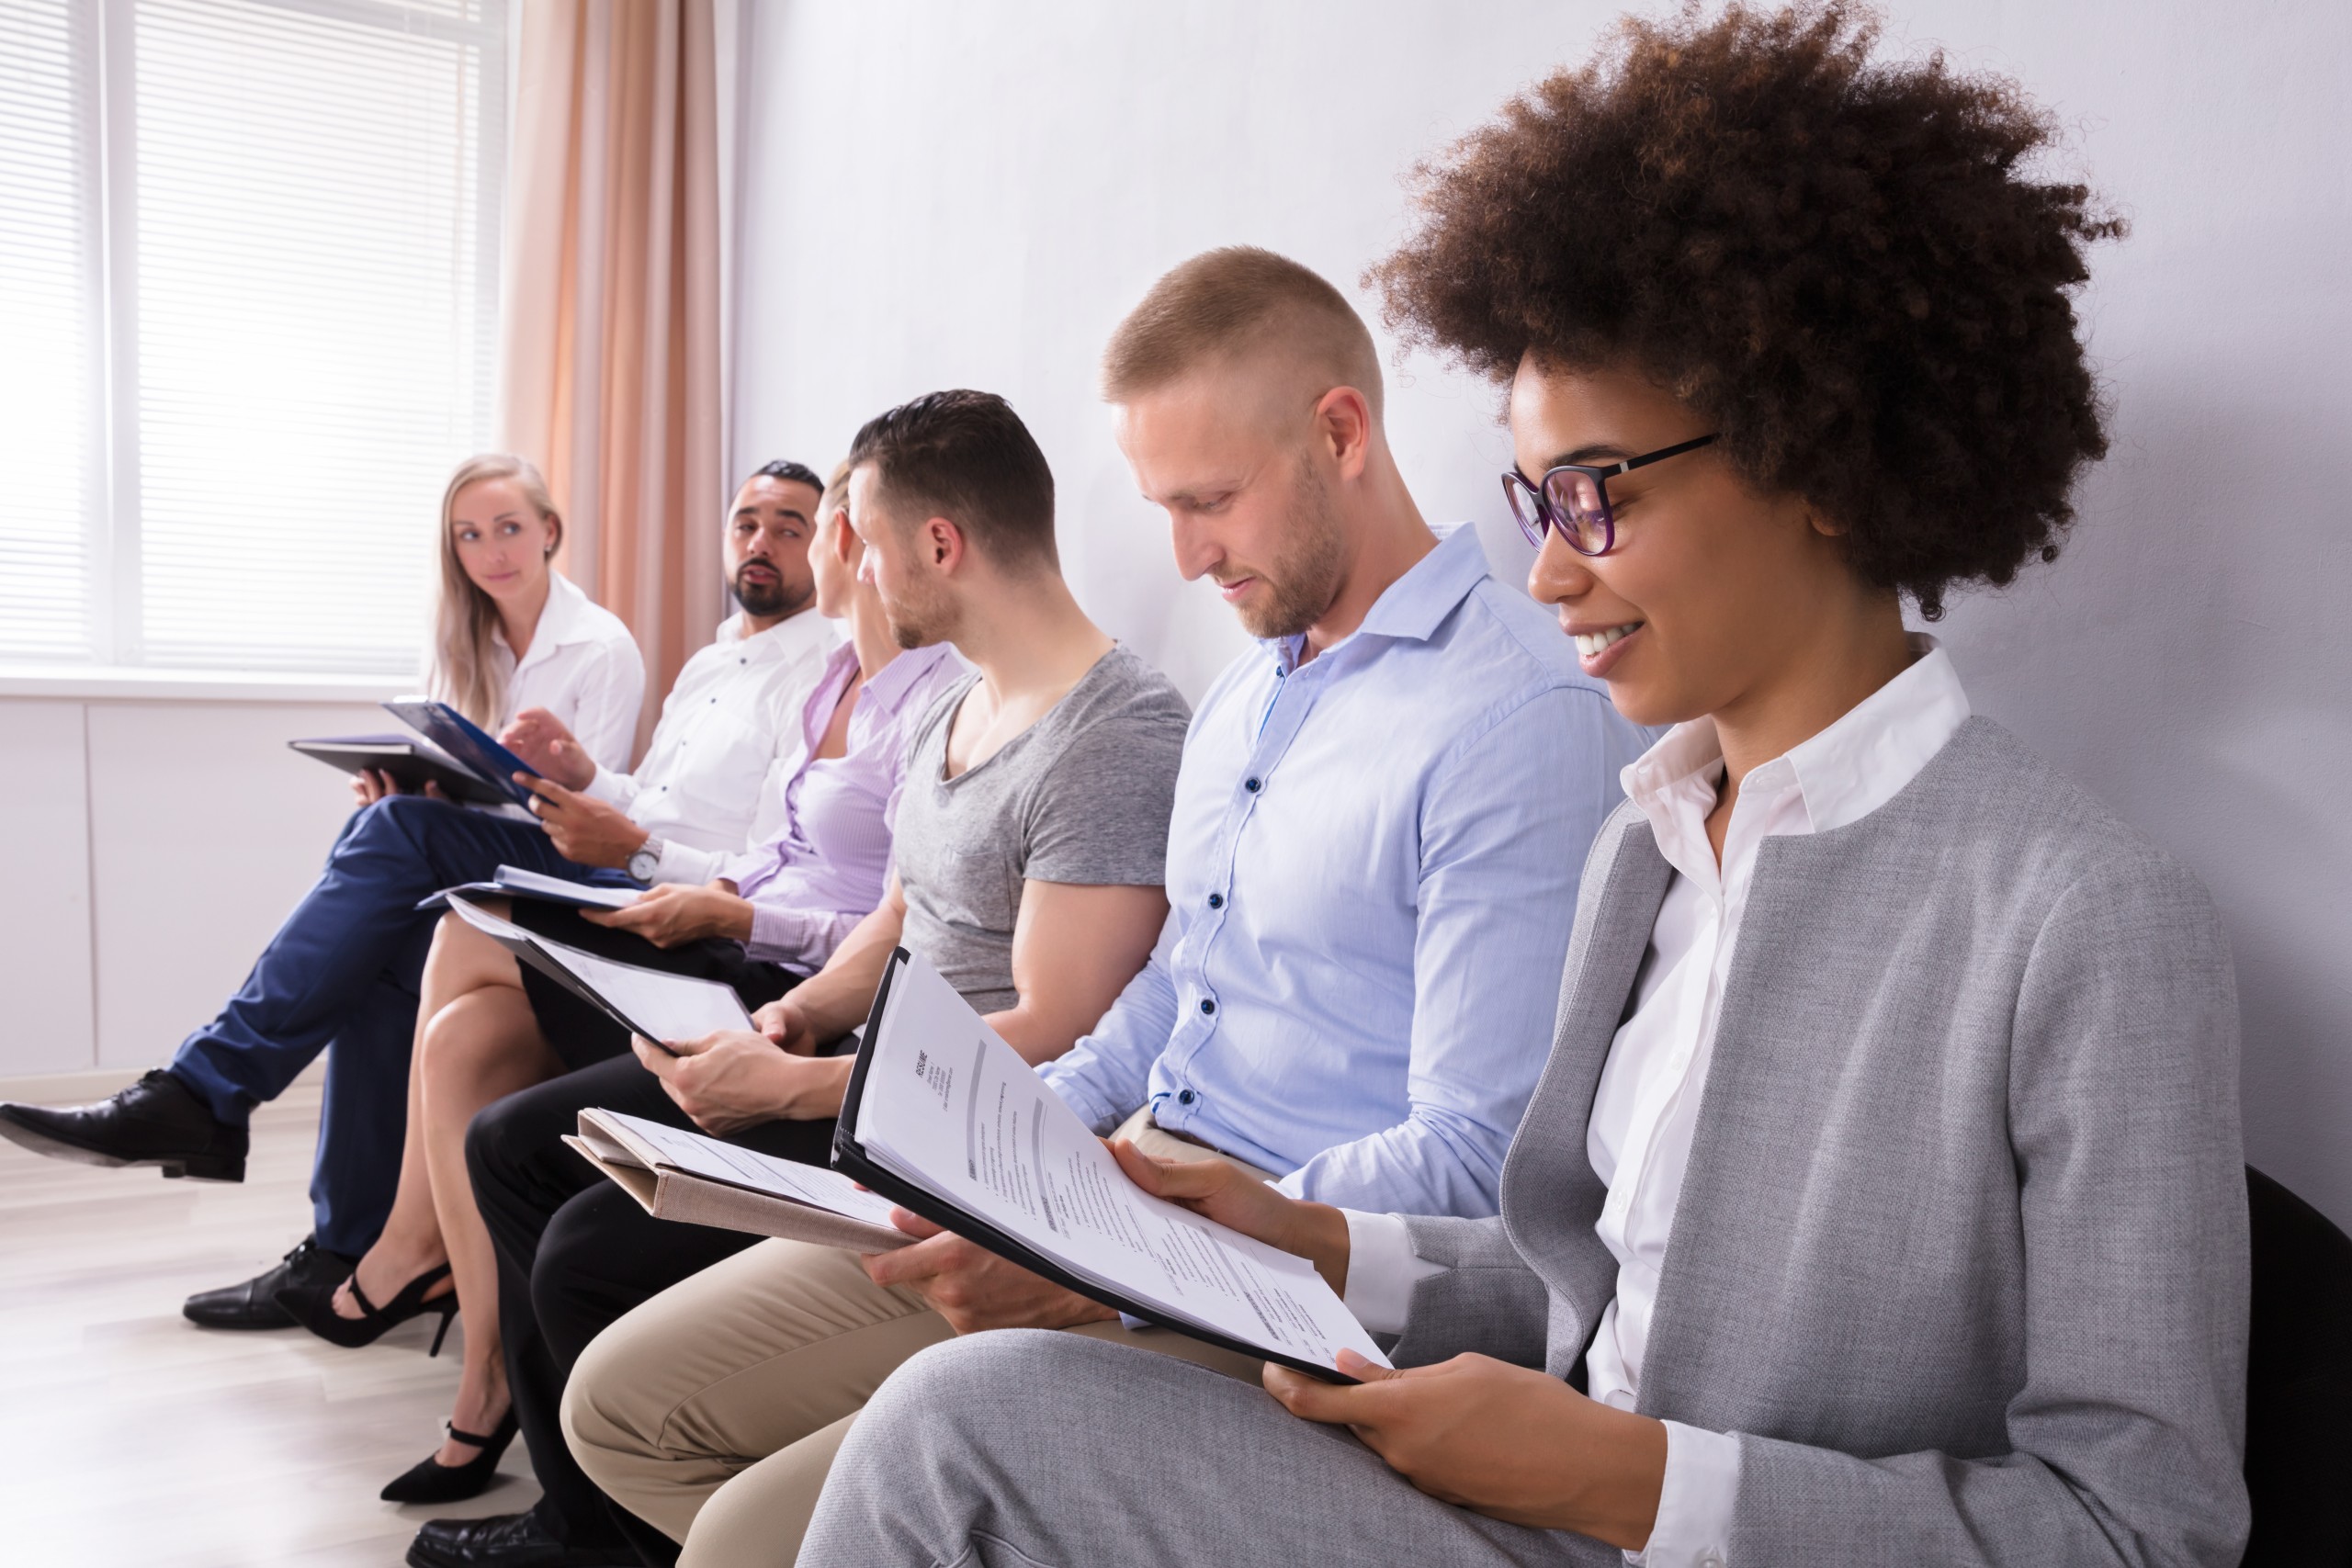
<point x="1711" y="588"/>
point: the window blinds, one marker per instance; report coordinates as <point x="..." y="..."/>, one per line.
<point x="314" y="329"/>
<point x="50" y="341"/>
<point x="300" y="285"/>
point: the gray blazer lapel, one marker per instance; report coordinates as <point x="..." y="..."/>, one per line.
<point x="1551" y="1199"/>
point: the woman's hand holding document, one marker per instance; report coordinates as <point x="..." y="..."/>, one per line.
<point x="948" y="1119"/>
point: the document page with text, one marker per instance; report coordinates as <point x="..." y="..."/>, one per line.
<point x="948" y="1106"/>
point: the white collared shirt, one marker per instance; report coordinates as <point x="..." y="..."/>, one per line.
<point x="1646" y="1108"/>
<point x="708" y="787"/>
<point x="581" y="666"/>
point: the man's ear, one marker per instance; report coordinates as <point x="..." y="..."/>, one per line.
<point x="1343" y="423"/>
<point x="944" y="542"/>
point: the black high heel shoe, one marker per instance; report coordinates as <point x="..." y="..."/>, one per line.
<point x="311" y="1304"/>
<point x="433" y="1482"/>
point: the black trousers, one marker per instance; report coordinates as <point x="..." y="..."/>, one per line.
<point x="576" y="1252"/>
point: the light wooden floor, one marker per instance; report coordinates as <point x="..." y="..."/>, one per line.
<point x="131" y="1437"/>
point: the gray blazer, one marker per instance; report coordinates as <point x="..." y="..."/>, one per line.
<point x="1960" y="1256"/>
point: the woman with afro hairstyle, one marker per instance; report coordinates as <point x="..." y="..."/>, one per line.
<point x="1881" y="1199"/>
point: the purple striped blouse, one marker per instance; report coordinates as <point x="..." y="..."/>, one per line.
<point x="824" y="870"/>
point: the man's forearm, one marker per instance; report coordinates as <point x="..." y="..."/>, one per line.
<point x="837" y="998"/>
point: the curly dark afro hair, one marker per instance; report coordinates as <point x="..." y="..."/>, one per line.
<point x="1839" y="262"/>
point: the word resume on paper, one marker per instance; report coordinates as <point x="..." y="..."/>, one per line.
<point x="941" y="1104"/>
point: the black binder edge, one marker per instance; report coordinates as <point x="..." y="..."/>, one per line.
<point x="412" y="771"/>
<point x="850" y="1158"/>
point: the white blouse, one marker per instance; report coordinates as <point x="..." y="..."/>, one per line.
<point x="1645" y="1109"/>
<point x="583" y="666"/>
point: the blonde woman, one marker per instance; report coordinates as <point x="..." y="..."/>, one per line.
<point x="512" y="634"/>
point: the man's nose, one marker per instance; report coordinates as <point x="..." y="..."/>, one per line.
<point x="1196" y="553"/>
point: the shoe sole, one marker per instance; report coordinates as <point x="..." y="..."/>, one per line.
<point x="195" y="1168"/>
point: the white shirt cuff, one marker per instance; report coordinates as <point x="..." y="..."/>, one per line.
<point x="1694" y="1506"/>
<point x="684" y="863"/>
<point x="610" y="787"/>
<point x="1381" y="1271"/>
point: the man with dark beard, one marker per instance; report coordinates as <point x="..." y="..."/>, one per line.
<point x="345" y="966"/>
<point x="1378" y="836"/>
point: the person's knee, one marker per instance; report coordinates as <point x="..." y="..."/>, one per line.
<point x="603" y="1424"/>
<point x="946" y="1383"/>
<point x="399" y="818"/>
<point x="500" y="1137"/>
<point x="448" y="1056"/>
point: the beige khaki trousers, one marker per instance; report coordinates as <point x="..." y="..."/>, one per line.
<point x="714" y="1410"/>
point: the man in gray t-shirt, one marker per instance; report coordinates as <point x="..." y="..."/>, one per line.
<point x="1082" y="796"/>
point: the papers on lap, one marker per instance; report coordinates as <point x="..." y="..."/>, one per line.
<point x="515" y="882"/>
<point x="947" y="1118"/>
<point x="410" y="764"/>
<point x="659" y="1006"/>
<point x="467" y="741"/>
<point x="683" y="1175"/>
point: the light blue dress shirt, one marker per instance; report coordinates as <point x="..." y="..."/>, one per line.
<point x="1371" y="872"/>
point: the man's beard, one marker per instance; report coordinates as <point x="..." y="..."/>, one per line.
<point x="1303" y="580"/>
<point x="921" y="617"/>
<point x="771" y="597"/>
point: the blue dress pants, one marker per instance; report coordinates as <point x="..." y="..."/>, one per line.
<point x="344" y="970"/>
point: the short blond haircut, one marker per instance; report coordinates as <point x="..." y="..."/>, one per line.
<point x="1236" y="301"/>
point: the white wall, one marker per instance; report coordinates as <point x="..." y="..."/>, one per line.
<point x="972" y="195"/>
<point x="155" y="842"/>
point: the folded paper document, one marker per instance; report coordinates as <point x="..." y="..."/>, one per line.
<point x="945" y="1118"/>
<point x="696" y="1180"/>
<point x="660" y="1007"/>
<point x="518" y="881"/>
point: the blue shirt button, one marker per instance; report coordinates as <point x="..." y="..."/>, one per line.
<point x="1217" y="900"/>
<point x="1187" y="1097"/>
<point x="1252" y="785"/>
<point x="1207" y="1005"/>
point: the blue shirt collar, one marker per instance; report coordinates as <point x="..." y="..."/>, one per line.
<point x="1416" y="604"/>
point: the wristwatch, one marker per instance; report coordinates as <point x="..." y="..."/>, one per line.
<point x="646" y="860"/>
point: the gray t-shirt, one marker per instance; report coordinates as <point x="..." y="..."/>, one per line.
<point x="1081" y="795"/>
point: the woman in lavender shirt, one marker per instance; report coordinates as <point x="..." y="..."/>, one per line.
<point x="488" y="1028"/>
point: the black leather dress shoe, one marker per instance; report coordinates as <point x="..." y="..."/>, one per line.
<point x="506" y="1540"/>
<point x="157" y="1121"/>
<point x="253" y="1304"/>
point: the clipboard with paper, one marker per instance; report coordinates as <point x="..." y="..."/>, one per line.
<point x="946" y="1120"/>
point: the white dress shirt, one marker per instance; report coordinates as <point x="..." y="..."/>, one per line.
<point x="708" y="787"/>
<point x="1646" y="1108"/>
<point x="583" y="666"/>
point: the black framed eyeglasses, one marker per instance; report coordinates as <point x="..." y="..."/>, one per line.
<point x="1574" y="498"/>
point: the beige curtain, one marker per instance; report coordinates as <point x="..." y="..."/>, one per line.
<point x="609" y="365"/>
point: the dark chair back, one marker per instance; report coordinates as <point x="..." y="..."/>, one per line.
<point x="2297" y="1384"/>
